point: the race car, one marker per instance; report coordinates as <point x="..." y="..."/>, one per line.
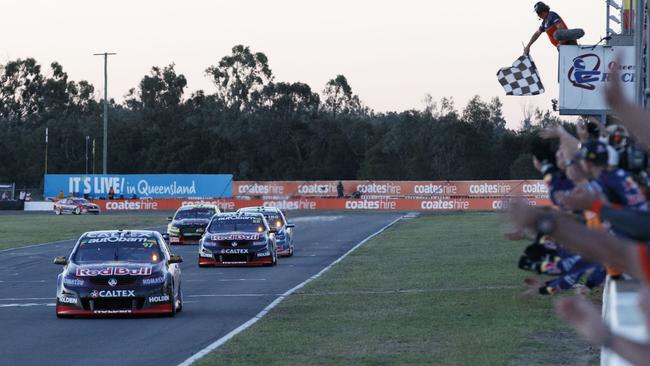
<point x="75" y="205"/>
<point x="275" y="217"/>
<point x="189" y="222"/>
<point x="238" y="239"/>
<point x="118" y="272"/>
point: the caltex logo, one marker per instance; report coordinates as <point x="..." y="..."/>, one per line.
<point x="95" y="293"/>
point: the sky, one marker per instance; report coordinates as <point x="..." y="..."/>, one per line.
<point x="392" y="52"/>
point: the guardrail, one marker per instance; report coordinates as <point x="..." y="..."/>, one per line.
<point x="622" y="313"/>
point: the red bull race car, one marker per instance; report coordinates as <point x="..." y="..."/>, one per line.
<point x="276" y="218"/>
<point x="188" y="224"/>
<point x="119" y="272"/>
<point x="238" y="239"/>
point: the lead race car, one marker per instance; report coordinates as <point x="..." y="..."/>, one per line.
<point x="119" y="272"/>
<point x="188" y="224"/>
<point x="284" y="235"/>
<point x="238" y="239"/>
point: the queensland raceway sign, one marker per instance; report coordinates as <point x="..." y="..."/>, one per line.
<point x="585" y="73"/>
<point x="141" y="186"/>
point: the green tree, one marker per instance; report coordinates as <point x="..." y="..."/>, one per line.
<point x="339" y="98"/>
<point x="240" y="77"/>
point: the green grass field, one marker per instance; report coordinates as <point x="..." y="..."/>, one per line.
<point x="437" y="290"/>
<point x="24" y="229"/>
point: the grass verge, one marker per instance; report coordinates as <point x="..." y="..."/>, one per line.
<point x="440" y="290"/>
<point x="20" y="230"/>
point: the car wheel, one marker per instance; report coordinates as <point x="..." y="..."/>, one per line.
<point x="290" y="251"/>
<point x="57" y="211"/>
<point x="180" y="300"/>
<point x="77" y="211"/>
<point x="275" y="257"/>
<point x="173" y="301"/>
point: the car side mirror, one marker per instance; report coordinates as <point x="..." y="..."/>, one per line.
<point x="175" y="259"/>
<point x="290" y="225"/>
<point x="169" y="219"/>
<point x="61" y="260"/>
<point x="165" y="236"/>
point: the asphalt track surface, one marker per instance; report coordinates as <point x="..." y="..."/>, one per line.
<point x="217" y="300"/>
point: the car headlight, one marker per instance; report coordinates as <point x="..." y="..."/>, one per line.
<point x="173" y="229"/>
<point x="204" y="253"/>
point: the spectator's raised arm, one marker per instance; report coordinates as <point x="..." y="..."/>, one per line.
<point x="633" y="117"/>
<point x="595" y="245"/>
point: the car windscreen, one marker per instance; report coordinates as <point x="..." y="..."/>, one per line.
<point x="195" y="213"/>
<point x="107" y="248"/>
<point x="78" y="200"/>
<point x="242" y="224"/>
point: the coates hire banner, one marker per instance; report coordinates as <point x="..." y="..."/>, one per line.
<point x="491" y="188"/>
<point x="388" y="204"/>
<point x="141" y="185"/>
<point x="586" y="71"/>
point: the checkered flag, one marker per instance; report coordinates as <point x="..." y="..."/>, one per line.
<point x="521" y="78"/>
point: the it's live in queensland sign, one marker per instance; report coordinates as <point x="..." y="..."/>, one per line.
<point x="585" y="73"/>
<point x="141" y="185"/>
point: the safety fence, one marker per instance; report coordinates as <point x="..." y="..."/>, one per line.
<point x="622" y="313"/>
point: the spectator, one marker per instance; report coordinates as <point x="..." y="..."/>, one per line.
<point x="339" y="190"/>
<point x="111" y="193"/>
<point x="551" y="23"/>
<point x="60" y="195"/>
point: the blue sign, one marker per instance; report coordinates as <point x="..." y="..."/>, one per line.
<point x="141" y="185"/>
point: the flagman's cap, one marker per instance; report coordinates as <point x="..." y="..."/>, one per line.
<point x="540" y="7"/>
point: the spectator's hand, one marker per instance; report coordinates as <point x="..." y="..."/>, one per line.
<point x="644" y="304"/>
<point x="514" y="235"/>
<point x="522" y="217"/>
<point x="532" y="286"/>
<point x="581" y="198"/>
<point x="614" y="92"/>
<point x="552" y="132"/>
<point x="584" y="317"/>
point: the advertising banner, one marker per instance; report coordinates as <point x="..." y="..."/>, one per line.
<point x="140" y="185"/>
<point x="584" y="73"/>
<point x="400" y="204"/>
<point x="390" y="188"/>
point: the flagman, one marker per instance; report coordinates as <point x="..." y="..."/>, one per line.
<point x="551" y="22"/>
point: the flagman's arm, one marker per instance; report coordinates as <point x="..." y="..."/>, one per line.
<point x="532" y="40"/>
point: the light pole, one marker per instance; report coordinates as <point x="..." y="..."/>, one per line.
<point x="87" y="139"/>
<point x="105" y="144"/>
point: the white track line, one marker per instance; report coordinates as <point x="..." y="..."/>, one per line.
<point x="36" y="245"/>
<point x="27" y="305"/>
<point x="219" y="342"/>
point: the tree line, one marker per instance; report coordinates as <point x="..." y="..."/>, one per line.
<point x="252" y="126"/>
